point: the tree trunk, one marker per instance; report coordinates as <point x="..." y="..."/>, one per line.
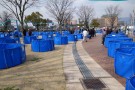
<point x="112" y="25"/>
<point x="60" y="27"/>
<point x="37" y="27"/>
<point x="22" y="26"/>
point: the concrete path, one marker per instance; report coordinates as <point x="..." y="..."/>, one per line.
<point x="73" y="74"/>
<point x="71" y="70"/>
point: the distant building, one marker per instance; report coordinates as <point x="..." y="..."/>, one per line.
<point x="104" y="21"/>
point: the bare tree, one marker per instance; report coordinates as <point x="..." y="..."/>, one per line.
<point x="5" y="18"/>
<point x="132" y="20"/>
<point x="85" y="14"/>
<point x="59" y="9"/>
<point x="67" y="18"/>
<point x="18" y="8"/>
<point x="112" y="13"/>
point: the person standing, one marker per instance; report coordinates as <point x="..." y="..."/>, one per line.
<point x="85" y="34"/>
<point x="30" y="32"/>
<point x="103" y="36"/>
<point x="24" y="32"/>
<point x="89" y="33"/>
<point x="16" y="33"/>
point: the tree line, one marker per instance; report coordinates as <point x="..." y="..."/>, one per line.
<point x="61" y="10"/>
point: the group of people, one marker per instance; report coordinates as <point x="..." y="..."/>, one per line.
<point x="29" y="32"/>
<point x="88" y="33"/>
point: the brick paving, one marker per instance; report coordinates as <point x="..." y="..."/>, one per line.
<point x="99" y="53"/>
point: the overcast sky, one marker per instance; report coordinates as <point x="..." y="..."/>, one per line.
<point x="99" y="7"/>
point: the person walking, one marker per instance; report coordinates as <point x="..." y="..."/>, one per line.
<point x="85" y="34"/>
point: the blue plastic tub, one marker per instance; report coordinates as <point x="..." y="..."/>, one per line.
<point x="7" y="40"/>
<point x="79" y="36"/>
<point x="130" y="83"/>
<point x="72" y="38"/>
<point x="28" y="39"/>
<point x="41" y="45"/>
<point x="112" y="37"/>
<point x="61" y="40"/>
<point x="11" y="55"/>
<point x="58" y="34"/>
<point x="125" y="62"/>
<point x="65" y="33"/>
<point x="115" y="44"/>
<point x="45" y="36"/>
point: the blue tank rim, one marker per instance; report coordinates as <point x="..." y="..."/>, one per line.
<point x="118" y="51"/>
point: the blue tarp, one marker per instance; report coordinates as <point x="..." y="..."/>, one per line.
<point x="125" y="62"/>
<point x="11" y="55"/>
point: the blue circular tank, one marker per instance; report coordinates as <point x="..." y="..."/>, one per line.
<point x="115" y="44"/>
<point x="7" y="40"/>
<point x="41" y="45"/>
<point x="28" y="39"/>
<point x="61" y="40"/>
<point x="11" y="55"/>
<point x="130" y="83"/>
<point x="72" y="38"/>
<point x="79" y="36"/>
<point x="112" y="37"/>
<point x="125" y="62"/>
<point x="45" y="36"/>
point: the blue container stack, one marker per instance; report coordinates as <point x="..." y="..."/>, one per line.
<point x="122" y="49"/>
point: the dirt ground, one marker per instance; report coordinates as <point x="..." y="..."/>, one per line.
<point x="41" y="71"/>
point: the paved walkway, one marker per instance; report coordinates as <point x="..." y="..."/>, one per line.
<point x="73" y="72"/>
<point x="100" y="54"/>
